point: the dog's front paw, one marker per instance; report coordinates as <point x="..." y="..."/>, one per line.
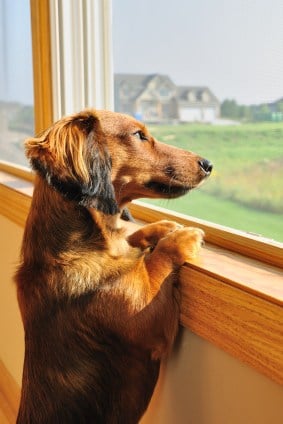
<point x="149" y="235"/>
<point x="182" y="244"/>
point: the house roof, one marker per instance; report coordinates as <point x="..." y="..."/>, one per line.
<point x="197" y="91"/>
<point x="135" y="84"/>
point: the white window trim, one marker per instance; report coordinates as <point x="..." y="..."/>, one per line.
<point x="82" y="76"/>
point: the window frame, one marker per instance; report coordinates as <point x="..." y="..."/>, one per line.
<point x="196" y="278"/>
<point x="41" y="54"/>
<point x="51" y="77"/>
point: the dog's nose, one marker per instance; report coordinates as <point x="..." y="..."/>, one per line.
<point x="206" y="166"/>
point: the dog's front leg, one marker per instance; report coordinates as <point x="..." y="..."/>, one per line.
<point x="171" y="252"/>
<point x="149" y="235"/>
<point x="161" y="265"/>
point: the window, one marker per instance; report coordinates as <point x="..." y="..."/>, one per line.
<point x="164" y="91"/>
<point x="226" y="62"/>
<point x="244" y="191"/>
<point x="16" y="80"/>
<point x="191" y="96"/>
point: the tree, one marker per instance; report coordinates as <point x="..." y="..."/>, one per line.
<point x="229" y="109"/>
<point x="23" y="120"/>
<point x="279" y="106"/>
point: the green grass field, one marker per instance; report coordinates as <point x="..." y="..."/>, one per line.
<point x="245" y="190"/>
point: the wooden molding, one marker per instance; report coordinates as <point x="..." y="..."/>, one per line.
<point x="41" y="48"/>
<point x="259" y="248"/>
<point x="246" y="326"/>
<point x="17" y="171"/>
<point x="14" y="205"/>
<point x="9" y="396"/>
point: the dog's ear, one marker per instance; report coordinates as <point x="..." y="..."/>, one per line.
<point x="72" y="156"/>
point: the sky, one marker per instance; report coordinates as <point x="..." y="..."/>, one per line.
<point x="15" y="52"/>
<point x="235" y="47"/>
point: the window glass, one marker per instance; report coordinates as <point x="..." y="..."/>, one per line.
<point x="207" y="76"/>
<point x="16" y="80"/>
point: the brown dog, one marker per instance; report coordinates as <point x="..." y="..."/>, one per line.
<point x="99" y="310"/>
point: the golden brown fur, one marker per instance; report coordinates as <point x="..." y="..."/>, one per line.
<point x="99" y="309"/>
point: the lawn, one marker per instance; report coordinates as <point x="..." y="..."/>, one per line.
<point x="245" y="190"/>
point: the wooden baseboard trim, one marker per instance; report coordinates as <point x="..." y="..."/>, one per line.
<point x="9" y="396"/>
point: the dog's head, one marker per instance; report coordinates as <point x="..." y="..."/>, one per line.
<point x="72" y="156"/>
<point x="104" y="159"/>
<point x="145" y="167"/>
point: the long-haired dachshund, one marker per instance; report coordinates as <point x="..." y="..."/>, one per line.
<point x="99" y="309"/>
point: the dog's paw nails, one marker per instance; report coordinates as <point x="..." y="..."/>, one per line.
<point x="178" y="226"/>
<point x="195" y="241"/>
<point x="170" y="226"/>
<point x="182" y="244"/>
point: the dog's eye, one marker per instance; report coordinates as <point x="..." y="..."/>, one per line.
<point x="140" y="135"/>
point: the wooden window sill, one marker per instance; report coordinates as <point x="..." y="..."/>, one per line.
<point x="229" y="298"/>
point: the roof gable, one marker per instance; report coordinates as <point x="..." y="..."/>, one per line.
<point x="133" y="86"/>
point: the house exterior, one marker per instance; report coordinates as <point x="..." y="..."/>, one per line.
<point x="155" y="98"/>
<point x="197" y="104"/>
<point x="152" y="98"/>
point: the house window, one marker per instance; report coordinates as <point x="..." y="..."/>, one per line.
<point x="191" y="96"/>
<point x="164" y="91"/>
<point x="225" y="60"/>
<point x="16" y="79"/>
<point x="205" y="97"/>
<point x="124" y="90"/>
